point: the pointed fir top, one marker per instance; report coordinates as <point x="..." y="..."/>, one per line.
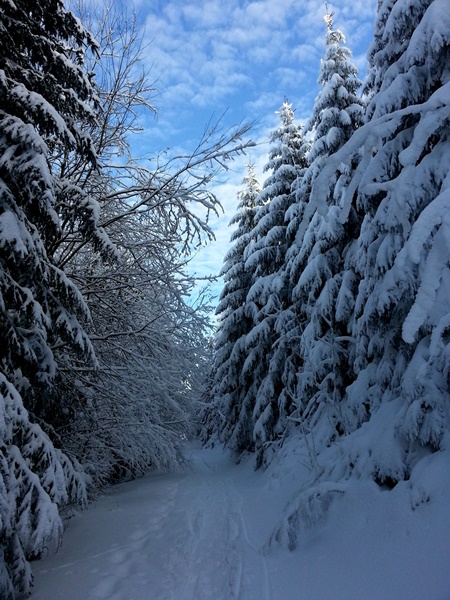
<point x="333" y="36"/>
<point x="250" y="177"/>
<point x="328" y="18"/>
<point x="286" y="113"/>
<point x="249" y="195"/>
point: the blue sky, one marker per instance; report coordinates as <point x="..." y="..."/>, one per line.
<point x="242" y="58"/>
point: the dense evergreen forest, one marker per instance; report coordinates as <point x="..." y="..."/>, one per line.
<point x="334" y="320"/>
<point x="333" y="323"/>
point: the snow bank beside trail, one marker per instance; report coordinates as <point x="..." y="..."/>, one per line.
<point x="202" y="535"/>
<point x="357" y="540"/>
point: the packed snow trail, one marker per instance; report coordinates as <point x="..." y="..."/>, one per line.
<point x="171" y="536"/>
<point x="198" y="535"/>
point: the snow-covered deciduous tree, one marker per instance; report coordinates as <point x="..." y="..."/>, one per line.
<point x="233" y="423"/>
<point x="132" y="412"/>
<point x="104" y="351"/>
<point x="45" y="93"/>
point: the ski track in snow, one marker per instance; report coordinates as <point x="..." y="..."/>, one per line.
<point x="199" y="534"/>
<point x="187" y="541"/>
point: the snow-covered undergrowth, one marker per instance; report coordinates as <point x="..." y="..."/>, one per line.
<point x="213" y="532"/>
<point x="360" y="540"/>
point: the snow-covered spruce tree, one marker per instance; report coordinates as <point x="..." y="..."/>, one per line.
<point x="402" y="258"/>
<point x="268" y="297"/>
<point x="316" y="261"/>
<point x="44" y="92"/>
<point x="233" y="423"/>
<point x="396" y="412"/>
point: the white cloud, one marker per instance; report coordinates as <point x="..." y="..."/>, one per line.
<point x="244" y="56"/>
<point x="210" y="52"/>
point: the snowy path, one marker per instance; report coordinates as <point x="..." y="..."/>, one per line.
<point x="175" y="536"/>
<point x="197" y="535"/>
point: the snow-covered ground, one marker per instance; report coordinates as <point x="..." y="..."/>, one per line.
<point x="199" y="534"/>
